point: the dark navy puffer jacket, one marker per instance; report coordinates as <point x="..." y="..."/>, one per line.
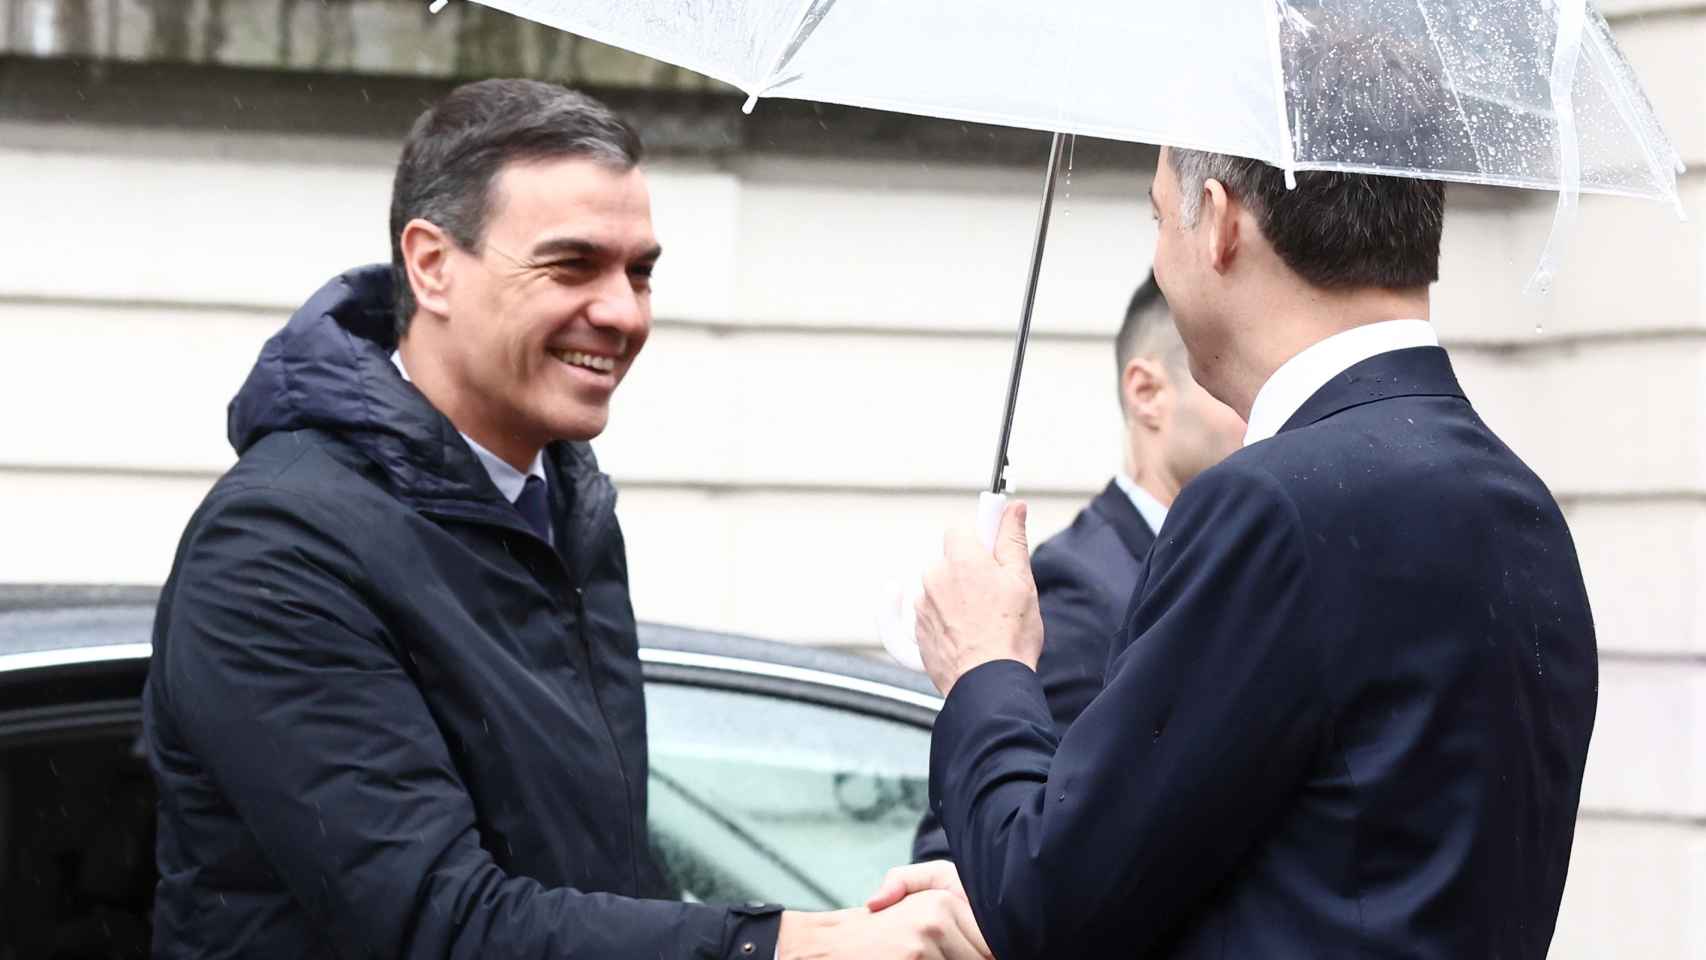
<point x="385" y="718"/>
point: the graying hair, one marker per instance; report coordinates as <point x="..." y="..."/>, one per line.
<point x="1195" y="168"/>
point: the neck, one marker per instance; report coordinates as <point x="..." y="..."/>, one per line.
<point x="1147" y="473"/>
<point x="463" y="408"/>
<point x="1277" y="326"/>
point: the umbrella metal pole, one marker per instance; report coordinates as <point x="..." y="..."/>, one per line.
<point x="1057" y="150"/>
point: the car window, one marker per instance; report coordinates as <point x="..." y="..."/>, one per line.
<point x="77" y="848"/>
<point x="761" y="797"/>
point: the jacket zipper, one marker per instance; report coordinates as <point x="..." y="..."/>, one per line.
<point x="488" y="519"/>
<point x="604" y="718"/>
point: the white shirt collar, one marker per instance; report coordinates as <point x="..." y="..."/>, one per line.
<point x="1298" y="378"/>
<point x="506" y="478"/>
<point x="1148" y="507"/>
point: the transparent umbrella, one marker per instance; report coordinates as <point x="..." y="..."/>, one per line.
<point x="1516" y="93"/>
<point x="1482" y="91"/>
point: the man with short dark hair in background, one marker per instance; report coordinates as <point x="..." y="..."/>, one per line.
<point x="1086" y="573"/>
<point x="395" y="706"/>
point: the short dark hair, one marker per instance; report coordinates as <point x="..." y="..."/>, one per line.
<point x="1375" y="101"/>
<point x="1336" y="230"/>
<point x="1147" y="330"/>
<point x="457" y="148"/>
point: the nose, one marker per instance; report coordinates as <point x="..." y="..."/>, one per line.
<point x="619" y="307"/>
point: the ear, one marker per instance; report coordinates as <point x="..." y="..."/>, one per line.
<point x="1145" y="389"/>
<point x="1222" y="215"/>
<point x="426" y="259"/>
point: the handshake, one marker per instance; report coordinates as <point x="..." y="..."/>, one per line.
<point x="919" y="913"/>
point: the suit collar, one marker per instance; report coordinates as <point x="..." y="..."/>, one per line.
<point x="1113" y="506"/>
<point x="1298" y="378"/>
<point x="1415" y="372"/>
<point x="1153" y="511"/>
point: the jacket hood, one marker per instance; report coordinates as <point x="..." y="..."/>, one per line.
<point x="330" y="370"/>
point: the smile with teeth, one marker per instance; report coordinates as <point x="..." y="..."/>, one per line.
<point x="587" y="361"/>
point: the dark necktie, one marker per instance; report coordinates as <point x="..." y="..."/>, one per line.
<point x="535" y="507"/>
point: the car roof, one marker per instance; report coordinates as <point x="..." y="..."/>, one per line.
<point x="45" y="623"/>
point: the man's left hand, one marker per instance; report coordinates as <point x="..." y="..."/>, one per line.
<point x="978" y="607"/>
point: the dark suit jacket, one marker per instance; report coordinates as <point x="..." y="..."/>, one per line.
<point x="1085" y="577"/>
<point x="1349" y="717"/>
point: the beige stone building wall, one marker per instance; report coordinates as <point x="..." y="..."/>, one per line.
<point x="821" y="394"/>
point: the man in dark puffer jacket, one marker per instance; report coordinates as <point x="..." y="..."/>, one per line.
<point x="395" y="706"/>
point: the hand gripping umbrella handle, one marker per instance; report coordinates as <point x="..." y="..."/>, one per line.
<point x="896" y="618"/>
<point x="990" y="507"/>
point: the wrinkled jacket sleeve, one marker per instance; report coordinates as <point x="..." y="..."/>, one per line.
<point x="1078" y="627"/>
<point x="287" y="688"/>
<point x="1207" y="724"/>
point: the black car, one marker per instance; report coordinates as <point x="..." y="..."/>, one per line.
<point x="779" y="773"/>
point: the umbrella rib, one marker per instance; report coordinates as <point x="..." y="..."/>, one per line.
<point x="1451" y="78"/>
<point x="1288" y="135"/>
<point x="812" y="13"/>
<point x="1602" y="69"/>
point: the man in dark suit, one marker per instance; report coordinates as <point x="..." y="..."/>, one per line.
<point x="1350" y="713"/>
<point x="1086" y="573"/>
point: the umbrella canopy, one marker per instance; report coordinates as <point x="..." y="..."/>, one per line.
<point x="1516" y="93"/>
<point x="1521" y="93"/>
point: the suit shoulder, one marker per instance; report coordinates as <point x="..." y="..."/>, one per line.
<point x="1252" y="480"/>
<point x="1379" y="456"/>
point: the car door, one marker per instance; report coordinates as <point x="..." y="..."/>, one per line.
<point x="777" y="782"/>
<point x="778" y="774"/>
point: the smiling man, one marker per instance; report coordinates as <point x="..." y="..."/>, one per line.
<point x="395" y="707"/>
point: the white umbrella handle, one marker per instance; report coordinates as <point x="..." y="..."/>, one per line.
<point x="896" y="618"/>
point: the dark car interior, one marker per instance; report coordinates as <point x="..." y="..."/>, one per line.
<point x="76" y="836"/>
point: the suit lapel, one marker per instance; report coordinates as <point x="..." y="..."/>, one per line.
<point x="1412" y="372"/>
<point x="1116" y="508"/>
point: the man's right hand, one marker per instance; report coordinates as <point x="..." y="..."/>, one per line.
<point x="929" y="925"/>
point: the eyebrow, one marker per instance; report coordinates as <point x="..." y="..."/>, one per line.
<point x="575" y="246"/>
<point x="1152" y="204"/>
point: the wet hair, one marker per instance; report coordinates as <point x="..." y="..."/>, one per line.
<point x="1147" y="331"/>
<point x="459" y="146"/>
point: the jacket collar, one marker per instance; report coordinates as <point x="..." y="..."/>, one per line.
<point x="1113" y="506"/>
<point x="1415" y="372"/>
<point x="1296" y="379"/>
<point x="329" y="370"/>
<point x="505" y="477"/>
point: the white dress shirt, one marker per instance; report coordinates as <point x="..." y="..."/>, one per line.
<point x="506" y="478"/>
<point x="1297" y="379"/>
<point x="1148" y="507"/>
